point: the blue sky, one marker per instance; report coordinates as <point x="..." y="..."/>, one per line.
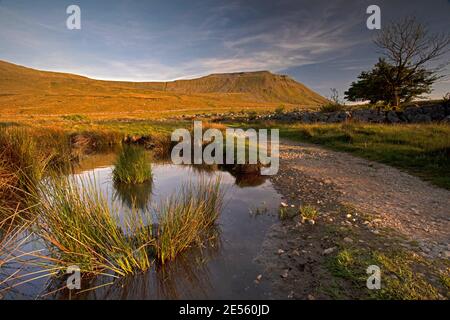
<point x="324" y="44"/>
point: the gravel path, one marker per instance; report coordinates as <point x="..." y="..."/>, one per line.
<point x="415" y="208"/>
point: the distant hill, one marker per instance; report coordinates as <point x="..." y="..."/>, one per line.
<point x="29" y="91"/>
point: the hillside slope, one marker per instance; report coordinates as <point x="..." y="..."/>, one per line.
<point x="28" y="91"/>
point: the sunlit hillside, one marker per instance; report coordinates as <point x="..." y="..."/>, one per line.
<point x="25" y="92"/>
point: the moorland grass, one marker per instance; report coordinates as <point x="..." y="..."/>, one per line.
<point x="81" y="228"/>
<point x="186" y="217"/>
<point x="132" y="166"/>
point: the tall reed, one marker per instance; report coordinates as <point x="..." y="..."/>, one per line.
<point x="80" y="228"/>
<point x="186" y="217"/>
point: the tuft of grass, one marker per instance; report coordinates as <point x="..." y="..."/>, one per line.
<point x="80" y="228"/>
<point x="186" y="218"/>
<point x="308" y="212"/>
<point x="132" y="166"/>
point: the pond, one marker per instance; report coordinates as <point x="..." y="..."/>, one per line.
<point x="223" y="269"/>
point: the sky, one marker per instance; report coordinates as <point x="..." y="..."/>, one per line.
<point x="323" y="44"/>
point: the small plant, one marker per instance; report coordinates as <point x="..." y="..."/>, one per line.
<point x="446" y="99"/>
<point x="308" y="213"/>
<point x="335" y="103"/>
<point x="132" y="166"/>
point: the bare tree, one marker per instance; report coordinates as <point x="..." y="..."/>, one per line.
<point x="409" y="47"/>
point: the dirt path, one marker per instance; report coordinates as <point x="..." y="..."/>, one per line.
<point x="295" y="254"/>
<point x="415" y="208"/>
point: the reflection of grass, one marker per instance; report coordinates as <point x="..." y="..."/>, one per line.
<point x="186" y="217"/>
<point x="132" y="166"/>
<point x="134" y="195"/>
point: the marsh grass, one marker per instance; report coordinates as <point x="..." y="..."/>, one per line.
<point x="80" y="228"/>
<point x="132" y="166"/>
<point x="185" y="218"/>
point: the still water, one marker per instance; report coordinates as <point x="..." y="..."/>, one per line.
<point x="224" y="269"/>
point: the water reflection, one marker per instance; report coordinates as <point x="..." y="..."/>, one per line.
<point x="134" y="196"/>
<point x="223" y="269"/>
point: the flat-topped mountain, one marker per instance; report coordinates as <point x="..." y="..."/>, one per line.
<point x="25" y="90"/>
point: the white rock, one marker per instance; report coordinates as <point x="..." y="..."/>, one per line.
<point x="349" y="240"/>
<point x="329" y="250"/>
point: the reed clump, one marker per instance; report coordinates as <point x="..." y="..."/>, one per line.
<point x="80" y="228"/>
<point x="186" y="217"/>
<point x="132" y="166"/>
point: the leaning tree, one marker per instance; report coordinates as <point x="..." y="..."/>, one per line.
<point x="404" y="72"/>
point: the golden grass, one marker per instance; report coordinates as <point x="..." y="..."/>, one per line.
<point x="186" y="217"/>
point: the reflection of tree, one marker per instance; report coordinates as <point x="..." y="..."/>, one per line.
<point x="246" y="175"/>
<point x="135" y="196"/>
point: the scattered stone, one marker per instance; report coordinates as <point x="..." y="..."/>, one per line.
<point x="348" y="240"/>
<point x="296" y="252"/>
<point x="285" y="274"/>
<point x="280" y="251"/>
<point x="349" y="215"/>
<point x="311" y="297"/>
<point x="291" y="295"/>
<point x="328" y="251"/>
<point x="284" y="204"/>
<point x="259" y="277"/>
<point x="311" y="221"/>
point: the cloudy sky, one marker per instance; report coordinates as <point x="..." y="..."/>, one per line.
<point x="324" y="44"/>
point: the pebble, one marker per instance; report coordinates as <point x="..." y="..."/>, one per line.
<point x="280" y="251"/>
<point x="296" y="252"/>
<point x="349" y="215"/>
<point x="285" y="274"/>
<point x="348" y="240"/>
<point x="311" y="297"/>
<point x="329" y="250"/>
<point x="284" y="204"/>
<point x="259" y="277"/>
